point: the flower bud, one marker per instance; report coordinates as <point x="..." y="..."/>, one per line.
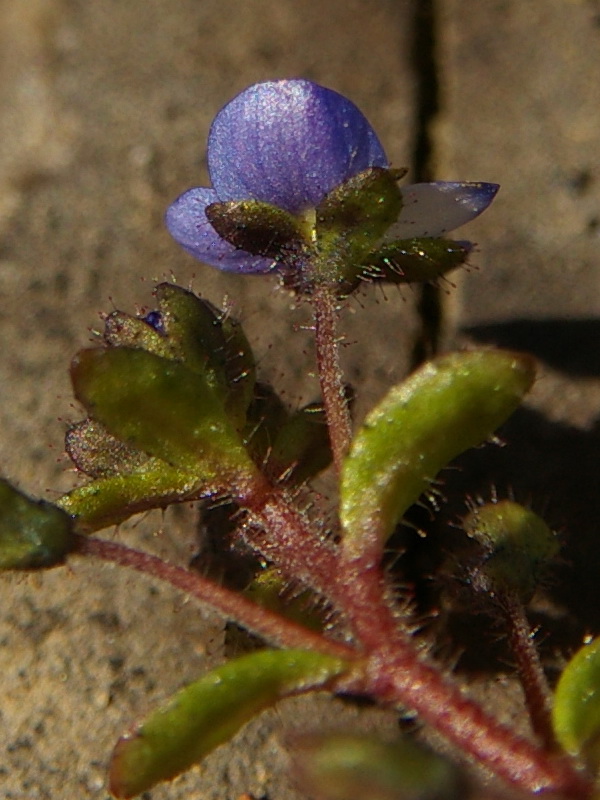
<point x="516" y="546"/>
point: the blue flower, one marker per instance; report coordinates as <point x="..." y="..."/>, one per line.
<point x="289" y="143"/>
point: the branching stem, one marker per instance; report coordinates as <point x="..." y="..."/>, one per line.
<point x="270" y="626"/>
<point x="400" y="675"/>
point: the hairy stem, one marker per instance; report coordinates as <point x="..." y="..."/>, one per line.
<point x="531" y="672"/>
<point x="270" y="626"/>
<point x="400" y="674"/>
<point x="280" y="533"/>
<point x="330" y="373"/>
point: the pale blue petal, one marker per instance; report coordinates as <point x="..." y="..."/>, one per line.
<point x="434" y="209"/>
<point x="289" y="143"/>
<point x="187" y="224"/>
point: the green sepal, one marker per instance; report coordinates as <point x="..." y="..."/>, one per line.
<point x="288" y="447"/>
<point x="161" y="407"/>
<point x="210" y="342"/>
<point x="346" y="766"/>
<point x="210" y="711"/>
<point x="125" y="330"/>
<point x="447" y="406"/>
<point x="266" y="415"/>
<point x="351" y="220"/>
<point x="516" y="548"/>
<point x="576" y="711"/>
<point x="34" y="534"/>
<point x="301" y="448"/>
<point x="193" y="331"/>
<point x="414" y="260"/>
<point x="111" y="499"/>
<point x="260" y="228"/>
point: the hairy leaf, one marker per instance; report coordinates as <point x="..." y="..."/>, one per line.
<point x="445" y="407"/>
<point x="210" y="711"/>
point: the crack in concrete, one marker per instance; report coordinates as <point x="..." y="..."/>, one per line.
<point x="424" y="59"/>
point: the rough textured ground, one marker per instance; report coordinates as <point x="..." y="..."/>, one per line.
<point x="104" y="111"/>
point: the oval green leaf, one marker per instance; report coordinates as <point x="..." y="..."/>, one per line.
<point x="33" y="533"/>
<point x="415" y="260"/>
<point x="112" y="499"/>
<point x="211" y="342"/>
<point x="448" y="405"/>
<point x="346" y="766"/>
<point x="210" y="711"/>
<point x="576" y="713"/>
<point x="159" y="406"/>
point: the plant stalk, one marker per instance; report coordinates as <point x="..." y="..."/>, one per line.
<point x="531" y="672"/>
<point x="264" y="623"/>
<point x="337" y="413"/>
<point x="400" y="675"/>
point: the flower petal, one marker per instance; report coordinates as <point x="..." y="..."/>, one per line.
<point x="289" y="143"/>
<point x="434" y="209"/>
<point x="186" y="222"/>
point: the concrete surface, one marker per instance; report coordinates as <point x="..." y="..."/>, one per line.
<point x="104" y="112"/>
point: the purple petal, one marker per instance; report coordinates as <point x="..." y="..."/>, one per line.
<point x="434" y="209"/>
<point x="187" y="224"/>
<point x="289" y="143"/>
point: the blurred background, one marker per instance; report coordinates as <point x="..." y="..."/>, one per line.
<point x="104" y="113"/>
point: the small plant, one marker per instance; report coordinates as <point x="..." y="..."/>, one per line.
<point x="302" y="188"/>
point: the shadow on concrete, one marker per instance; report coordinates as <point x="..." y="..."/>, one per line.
<point x="569" y="345"/>
<point x="555" y="470"/>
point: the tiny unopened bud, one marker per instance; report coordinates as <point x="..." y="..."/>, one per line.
<point x="516" y="547"/>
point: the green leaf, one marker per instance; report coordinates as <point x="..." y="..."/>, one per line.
<point x="114" y="498"/>
<point x="362" y="208"/>
<point x="161" y="407"/>
<point x="576" y="712"/>
<point x="346" y="766"/>
<point x="301" y="448"/>
<point x="210" y="711"/>
<point x="125" y="330"/>
<point x="33" y="533"/>
<point x="98" y="453"/>
<point x="192" y="330"/>
<point x="445" y="407"/>
<point x="212" y="343"/>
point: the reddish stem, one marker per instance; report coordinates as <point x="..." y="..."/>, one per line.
<point x="288" y="540"/>
<point x="531" y="672"/>
<point x="399" y="674"/>
<point x="330" y="373"/>
<point x="270" y="626"/>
